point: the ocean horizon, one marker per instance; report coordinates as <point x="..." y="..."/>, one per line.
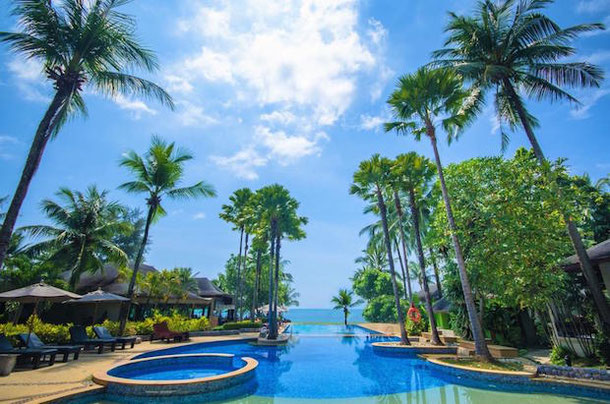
<point x="329" y="316"/>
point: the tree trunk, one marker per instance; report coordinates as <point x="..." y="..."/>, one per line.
<point x="241" y="281"/>
<point x="601" y="303"/>
<point x="270" y="305"/>
<point x="404" y="243"/>
<point x="345" y="313"/>
<point x="422" y="265"/>
<point x="402" y="269"/>
<point x="256" y="281"/>
<point x="436" y="274"/>
<point x="480" y="345"/>
<point x="125" y="307"/>
<point x="386" y="233"/>
<point x="238" y="280"/>
<point x="276" y="281"/>
<point x="39" y="143"/>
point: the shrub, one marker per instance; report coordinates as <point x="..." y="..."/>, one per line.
<point x="414" y="328"/>
<point x="558" y="354"/>
<point x="602" y="347"/>
<point x="48" y="333"/>
<point x="241" y="324"/>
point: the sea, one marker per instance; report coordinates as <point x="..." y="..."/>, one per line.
<point x="328" y="316"/>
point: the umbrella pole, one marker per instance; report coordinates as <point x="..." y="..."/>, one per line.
<point x="30" y="321"/>
<point x="18" y="313"/>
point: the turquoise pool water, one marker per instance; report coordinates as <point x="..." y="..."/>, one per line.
<point x="330" y="329"/>
<point x="168" y="372"/>
<point x="347" y="369"/>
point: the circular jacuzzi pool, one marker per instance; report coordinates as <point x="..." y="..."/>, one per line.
<point x="177" y="374"/>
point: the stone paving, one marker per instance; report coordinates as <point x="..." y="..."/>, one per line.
<point x="26" y="385"/>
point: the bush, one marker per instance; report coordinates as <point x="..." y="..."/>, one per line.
<point x="558" y="354"/>
<point x="237" y="325"/>
<point x="415" y="329"/>
<point x="602" y="347"/>
<point x="48" y="333"/>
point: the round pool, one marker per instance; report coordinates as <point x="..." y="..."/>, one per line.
<point x="177" y="374"/>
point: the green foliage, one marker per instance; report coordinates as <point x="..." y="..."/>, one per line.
<point x="414" y="328"/>
<point x="130" y="240"/>
<point x="48" y="333"/>
<point x="237" y="325"/>
<point x="510" y="226"/>
<point x="558" y="354"/>
<point x="382" y="309"/>
<point x="602" y="347"/>
<point x="369" y="283"/>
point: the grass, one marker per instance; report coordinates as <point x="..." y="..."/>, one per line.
<point x="475" y="364"/>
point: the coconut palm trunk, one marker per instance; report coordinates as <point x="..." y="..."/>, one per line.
<point x="276" y="282"/>
<point x="402" y="269"/>
<point x="422" y="265"/>
<point x="256" y="286"/>
<point x="403" y="241"/>
<point x="386" y="233"/>
<point x="241" y="281"/>
<point x="43" y="133"/>
<point x="236" y="295"/>
<point x="603" y="308"/>
<point x="437" y="278"/>
<point x="345" y="314"/>
<point x="480" y="346"/>
<point x="271" y="260"/>
<point x="126" y="307"/>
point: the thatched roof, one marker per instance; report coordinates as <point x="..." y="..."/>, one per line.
<point x="442" y="305"/>
<point x="433" y="292"/>
<point x="208" y="289"/>
<point x="598" y="254"/>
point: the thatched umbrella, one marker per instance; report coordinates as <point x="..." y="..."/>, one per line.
<point x="34" y="294"/>
<point x="96" y="297"/>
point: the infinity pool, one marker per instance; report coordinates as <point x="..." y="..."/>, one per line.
<point x="347" y="369"/>
<point x="327" y="329"/>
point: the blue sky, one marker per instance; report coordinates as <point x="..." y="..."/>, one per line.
<point x="291" y="92"/>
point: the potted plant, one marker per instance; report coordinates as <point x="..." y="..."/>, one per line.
<point x="7" y="364"/>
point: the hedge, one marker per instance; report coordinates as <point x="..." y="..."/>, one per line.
<point x="237" y="325"/>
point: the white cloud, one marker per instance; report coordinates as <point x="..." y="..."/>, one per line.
<point x="29" y="79"/>
<point x="199" y="216"/>
<point x="190" y="114"/>
<point x="136" y="107"/>
<point x="286" y="148"/>
<point x="588" y="101"/>
<point x="592" y="6"/>
<point x="598" y="57"/>
<point x="6" y="144"/>
<point x="242" y="164"/>
<point x="299" y="52"/>
<point x="369" y="122"/>
<point x="281" y="117"/>
<point x="176" y="84"/>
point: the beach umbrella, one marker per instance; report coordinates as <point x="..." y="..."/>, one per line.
<point x="265" y="309"/>
<point x="96" y="297"/>
<point x="34" y="294"/>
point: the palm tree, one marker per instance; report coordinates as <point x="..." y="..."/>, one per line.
<point x="513" y="48"/>
<point x="345" y="301"/>
<point x="239" y="214"/>
<point x="420" y="99"/>
<point x="77" y="43"/>
<point x="414" y="173"/>
<point x="81" y="237"/>
<point x="369" y="183"/>
<point x="157" y="174"/>
<point x="185" y="282"/>
<point x="258" y="247"/>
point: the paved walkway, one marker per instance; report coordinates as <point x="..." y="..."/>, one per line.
<point x="25" y="385"/>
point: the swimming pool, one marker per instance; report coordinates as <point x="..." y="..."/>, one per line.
<point x="347" y="369"/>
<point x="327" y="329"/>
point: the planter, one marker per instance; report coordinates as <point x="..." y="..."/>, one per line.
<point x="7" y="364"/>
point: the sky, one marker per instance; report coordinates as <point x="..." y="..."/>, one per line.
<point x="290" y="92"/>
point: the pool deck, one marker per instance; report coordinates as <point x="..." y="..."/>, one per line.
<point x="25" y="385"/>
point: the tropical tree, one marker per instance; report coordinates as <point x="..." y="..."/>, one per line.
<point x="345" y="301"/>
<point x="81" y="237"/>
<point x="239" y="213"/>
<point x="77" y="43"/>
<point x="158" y="174"/>
<point x="277" y="212"/>
<point x="415" y="173"/>
<point x="369" y="183"/>
<point x="419" y="101"/>
<point x="513" y="49"/>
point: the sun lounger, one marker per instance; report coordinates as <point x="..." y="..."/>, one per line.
<point x="37" y="355"/>
<point x="79" y="336"/>
<point x="161" y="331"/>
<point x="33" y="342"/>
<point x="103" y="333"/>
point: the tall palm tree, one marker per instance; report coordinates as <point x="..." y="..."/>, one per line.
<point x="415" y="173"/>
<point x="369" y="183"/>
<point x="158" y="174"/>
<point x="238" y="213"/>
<point x="77" y="43"/>
<point x="512" y="48"/>
<point x="420" y="99"/>
<point x="259" y="244"/>
<point x="345" y="301"/>
<point x="81" y="238"/>
<point x="185" y="282"/>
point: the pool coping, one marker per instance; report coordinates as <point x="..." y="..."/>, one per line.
<point x="104" y="379"/>
<point x="499" y="373"/>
